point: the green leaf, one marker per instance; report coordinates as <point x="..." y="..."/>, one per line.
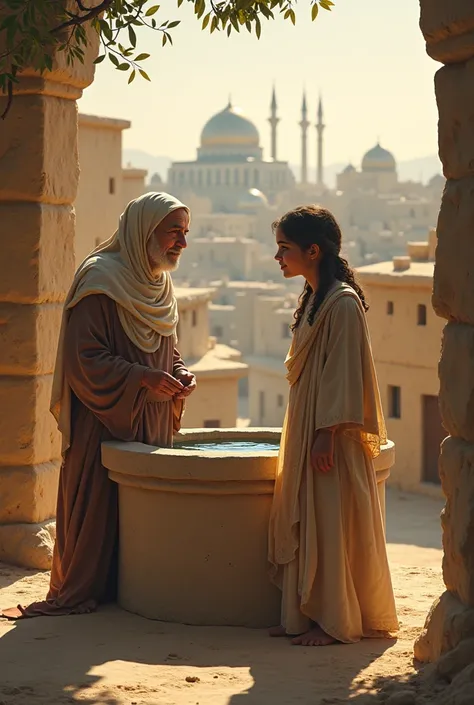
<point x="152" y="10"/>
<point x="214" y="24"/>
<point x="106" y="31"/>
<point x="99" y="59"/>
<point x="164" y="40"/>
<point x="132" y="76"/>
<point x="205" y="21"/>
<point x="180" y="2"/>
<point x="142" y="57"/>
<point x="144" y="75"/>
<point x="314" y="11"/>
<point x="258" y="28"/>
<point x="123" y="67"/>
<point x="175" y="23"/>
<point x="114" y="60"/>
<point x="199" y="8"/>
<point x="132" y="36"/>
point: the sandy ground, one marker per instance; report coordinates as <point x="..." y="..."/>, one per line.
<point x="117" y="658"/>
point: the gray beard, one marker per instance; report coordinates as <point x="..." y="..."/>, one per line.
<point x="163" y="264"/>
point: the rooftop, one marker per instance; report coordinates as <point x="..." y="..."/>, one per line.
<point x="105" y="123"/>
<point x="384" y="274"/>
<point x="220" y="361"/>
<point x="264" y="286"/>
<point x="190" y="294"/>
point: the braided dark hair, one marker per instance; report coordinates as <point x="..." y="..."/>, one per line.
<point x="314" y="225"/>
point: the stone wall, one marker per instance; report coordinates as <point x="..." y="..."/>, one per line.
<point x="38" y="181"/>
<point x="449" y="32"/>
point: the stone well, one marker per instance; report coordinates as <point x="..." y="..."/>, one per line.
<point x="193" y="528"/>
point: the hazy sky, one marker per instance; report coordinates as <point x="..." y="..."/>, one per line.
<point x="367" y="57"/>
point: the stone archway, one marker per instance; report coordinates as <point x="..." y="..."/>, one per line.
<point x="448" y="29"/>
<point x="38" y="181"/>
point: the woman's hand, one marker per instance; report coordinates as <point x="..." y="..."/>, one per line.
<point x="163" y="385"/>
<point x="188" y="380"/>
<point x="322" y="452"/>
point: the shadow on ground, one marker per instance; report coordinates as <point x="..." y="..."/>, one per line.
<point x="68" y="652"/>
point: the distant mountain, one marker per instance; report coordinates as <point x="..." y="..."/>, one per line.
<point x="143" y="160"/>
<point x="420" y="169"/>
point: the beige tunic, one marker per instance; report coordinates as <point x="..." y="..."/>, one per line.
<point x="104" y="370"/>
<point x="326" y="540"/>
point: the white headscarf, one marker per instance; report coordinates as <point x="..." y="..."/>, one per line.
<point x="120" y="269"/>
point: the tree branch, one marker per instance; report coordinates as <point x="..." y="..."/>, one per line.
<point x="9" y="100"/>
<point x="76" y="20"/>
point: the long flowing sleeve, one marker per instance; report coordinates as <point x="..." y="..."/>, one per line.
<point x="178" y="363"/>
<point x="342" y="387"/>
<point x="107" y="384"/>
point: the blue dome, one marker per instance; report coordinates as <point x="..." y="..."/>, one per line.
<point x="378" y="159"/>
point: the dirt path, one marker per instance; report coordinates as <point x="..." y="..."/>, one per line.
<point x="117" y="658"/>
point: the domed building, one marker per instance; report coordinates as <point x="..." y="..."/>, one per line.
<point x="229" y="134"/>
<point x="230" y="170"/>
<point x="378" y="173"/>
<point x="378" y="160"/>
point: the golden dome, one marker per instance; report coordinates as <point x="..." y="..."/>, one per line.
<point x="229" y="128"/>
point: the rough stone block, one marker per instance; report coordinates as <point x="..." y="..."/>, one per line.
<point x="448" y="28"/>
<point x="461" y="688"/>
<point x="28" y="432"/>
<point x="28" y="338"/>
<point x="453" y="292"/>
<point x="453" y="662"/>
<point x="38" y="151"/>
<point x="456" y="114"/>
<point x="457" y="475"/>
<point x="28" y="493"/>
<point x="448" y="623"/>
<point x="79" y="73"/>
<point x="28" y="545"/>
<point x="456" y="372"/>
<point x="37" y="253"/>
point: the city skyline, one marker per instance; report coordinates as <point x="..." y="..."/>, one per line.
<point x="373" y="85"/>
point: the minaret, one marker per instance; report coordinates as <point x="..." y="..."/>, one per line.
<point x="304" y="124"/>
<point x="320" y="129"/>
<point x="273" y="120"/>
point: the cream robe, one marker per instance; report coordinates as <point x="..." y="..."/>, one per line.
<point x="326" y="539"/>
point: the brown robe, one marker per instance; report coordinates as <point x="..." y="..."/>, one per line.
<point x="104" y="370"/>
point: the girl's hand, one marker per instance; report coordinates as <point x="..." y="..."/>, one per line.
<point x="322" y="452"/>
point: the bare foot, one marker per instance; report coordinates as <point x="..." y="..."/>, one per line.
<point x="315" y="637"/>
<point x="277" y="631"/>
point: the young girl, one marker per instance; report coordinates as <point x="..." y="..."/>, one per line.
<point x="326" y="540"/>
